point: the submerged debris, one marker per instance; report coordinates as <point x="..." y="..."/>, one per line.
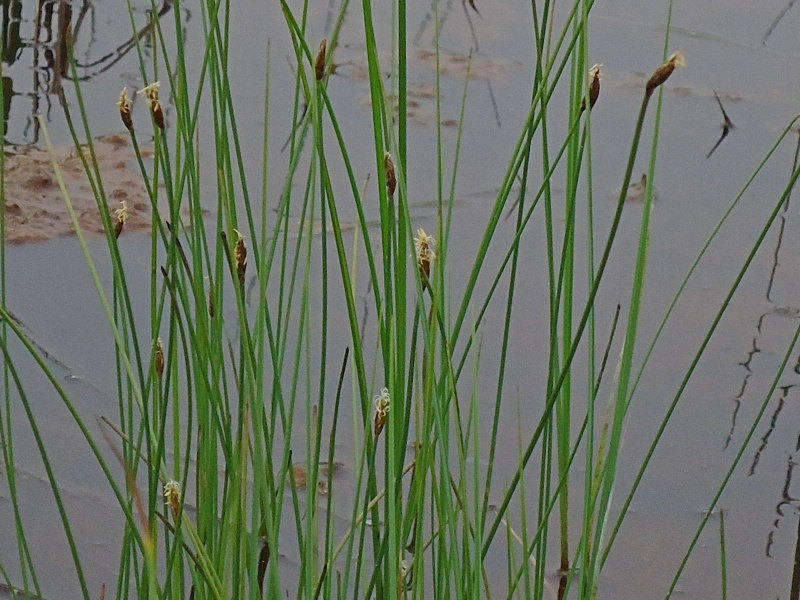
<point x="300" y="475"/>
<point x="34" y="207"/>
<point x="460" y="65"/>
<point x="636" y="190"/>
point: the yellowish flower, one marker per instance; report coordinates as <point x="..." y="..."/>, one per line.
<point x="124" y="104"/>
<point x="382" y="402"/>
<point x="240" y="255"/>
<point x="122" y="215"/>
<point x="150" y="92"/>
<point x="172" y="493"/>
<point x="423" y="244"/>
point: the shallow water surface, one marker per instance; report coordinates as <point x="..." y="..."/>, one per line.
<point x="736" y="49"/>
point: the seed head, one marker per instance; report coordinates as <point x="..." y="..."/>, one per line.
<point x="211" y="310"/>
<point x="425" y="255"/>
<point x="240" y="255"/>
<point x="662" y="73"/>
<point x="151" y="93"/>
<point x="319" y="65"/>
<point x="594" y="86"/>
<point x="172" y="493"/>
<point x="121" y="214"/>
<point x="124" y="104"/>
<point x="158" y="115"/>
<point x="158" y="358"/>
<point x="391" y="178"/>
<point x="381" y="410"/>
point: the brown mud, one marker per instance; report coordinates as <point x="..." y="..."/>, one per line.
<point x="35" y="209"/>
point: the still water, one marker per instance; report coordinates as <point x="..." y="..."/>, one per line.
<point x="745" y="52"/>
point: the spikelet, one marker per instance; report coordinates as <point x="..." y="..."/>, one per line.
<point x="425" y="255"/>
<point x="662" y="73"/>
<point x="319" y="65"/>
<point x="121" y="215"/>
<point x="151" y="93"/>
<point x="124" y="104"/>
<point x="240" y="255"/>
<point x="382" y="401"/>
<point x="391" y="178"/>
<point x="172" y="494"/>
<point x="594" y="87"/>
<point x="158" y="358"/>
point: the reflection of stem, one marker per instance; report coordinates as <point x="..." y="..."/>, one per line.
<point x="494" y="102"/>
<point x="775" y="254"/>
<point x="786" y="500"/>
<point x="794" y="166"/>
<point x="749" y="372"/>
<point x="471" y="28"/>
<point x="768" y="434"/>
<point x="429" y="16"/>
<point x="772" y="27"/>
<point x="756" y="349"/>
<point x="794" y="594"/>
<point x="114" y="57"/>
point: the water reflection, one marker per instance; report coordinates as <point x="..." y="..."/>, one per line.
<point x="775" y="310"/>
<point x="57" y="30"/>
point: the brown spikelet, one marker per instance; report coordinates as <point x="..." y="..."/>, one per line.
<point x="124" y="103"/>
<point x="319" y="65"/>
<point x="662" y="73"/>
<point x="391" y="177"/>
<point x="158" y="114"/>
<point x="211" y="310"/>
<point x="380" y="421"/>
<point x="151" y="94"/>
<point x="240" y="255"/>
<point x="121" y="215"/>
<point x="381" y="410"/>
<point x="594" y="87"/>
<point x="425" y="255"/>
<point x="158" y="359"/>
<point x="172" y="495"/>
